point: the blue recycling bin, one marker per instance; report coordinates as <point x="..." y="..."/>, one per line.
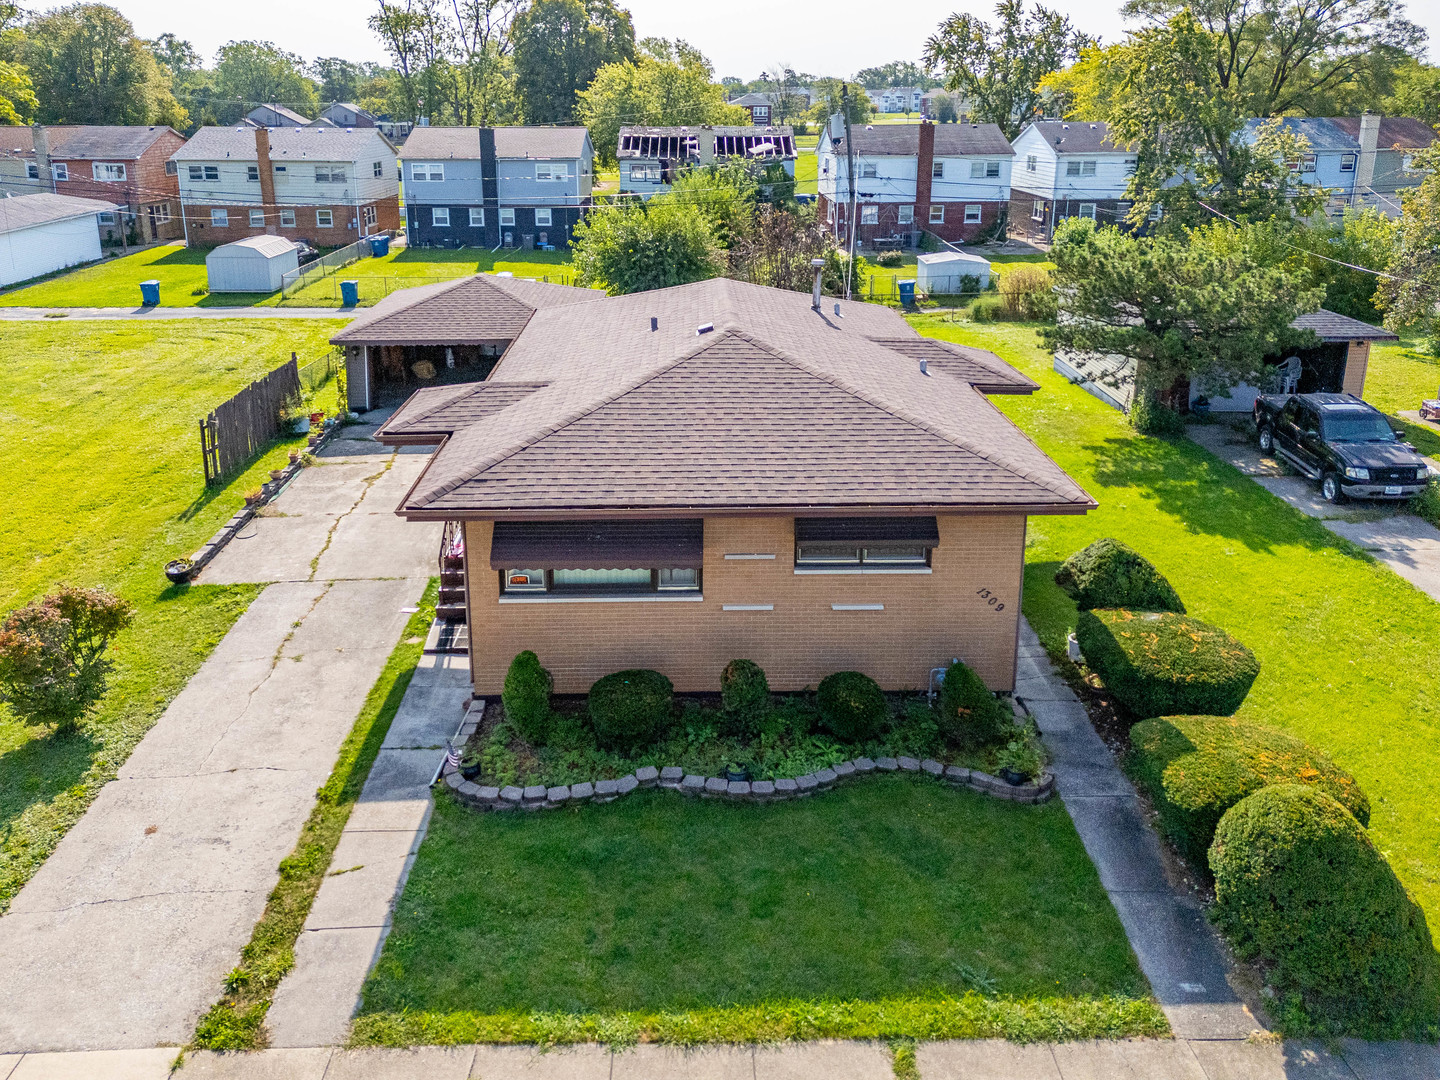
<point x="150" y="292"/>
<point x="907" y="292"/>
<point x="379" y="245"/>
<point x="349" y="293"/>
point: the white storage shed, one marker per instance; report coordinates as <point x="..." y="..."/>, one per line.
<point x="940" y="274"/>
<point x="253" y="265"/>
<point x="42" y="233"/>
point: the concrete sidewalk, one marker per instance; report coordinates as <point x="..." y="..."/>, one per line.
<point x="31" y="314"/>
<point x="122" y="938"/>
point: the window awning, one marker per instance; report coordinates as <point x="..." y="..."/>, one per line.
<point x="858" y="532"/>
<point x="597" y="545"/>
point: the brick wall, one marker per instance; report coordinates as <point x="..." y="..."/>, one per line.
<point x="145" y="185"/>
<point x="204" y="234"/>
<point x="954" y="228"/>
<point x="928" y="618"/>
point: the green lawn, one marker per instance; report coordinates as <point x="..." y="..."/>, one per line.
<point x="103" y="484"/>
<point x="880" y="280"/>
<point x="893" y="888"/>
<point x="1350" y="652"/>
<point x="807" y="170"/>
<point x="1400" y="376"/>
<point x="404" y="268"/>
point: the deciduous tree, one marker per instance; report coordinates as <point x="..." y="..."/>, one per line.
<point x="560" y="45"/>
<point x="249" y="73"/>
<point x="1409" y="294"/>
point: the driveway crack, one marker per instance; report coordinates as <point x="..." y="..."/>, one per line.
<point x="330" y="536"/>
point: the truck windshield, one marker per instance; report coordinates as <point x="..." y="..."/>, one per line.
<point x="1358" y="427"/>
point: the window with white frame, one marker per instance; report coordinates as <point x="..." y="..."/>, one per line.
<point x="32" y="170"/>
<point x="324" y="219"/>
<point x="421" y="170"/>
<point x="1087" y="210"/>
<point x="867" y="170"/>
<point x="937" y="213"/>
<point x="937" y="170"/>
<point x="330" y="174"/>
<point x="1031" y="162"/>
<point x="1157" y="212"/>
<point x="60" y="170"/>
<point x="477" y="217"/>
<point x="542" y="217"/>
<point x="367" y="215"/>
<point x="647" y="174"/>
<point x="162" y="213"/>
<point x="1037" y="210"/>
<point x="106" y="217"/>
<point x="257" y="219"/>
<point x="287" y="218"/>
<point x="507" y="215"/>
<point x="378" y="169"/>
<point x="1072" y="168"/>
<point x="252" y="173"/>
<point x="1306" y="164"/>
<point x="1347" y="163"/>
<point x="552" y="171"/>
<point x="108" y="172"/>
<point x="906" y="215"/>
<point x="870" y="214"/>
<point x="982" y="169"/>
<point x="199" y="173"/>
<point x="219" y="218"/>
<point x="440" y="216"/>
<point x="972" y="213"/>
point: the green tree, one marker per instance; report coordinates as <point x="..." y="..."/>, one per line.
<point x="18" y="103"/>
<point x="897" y="73"/>
<point x="999" y="67"/>
<point x="190" y="81"/>
<point x="1201" y="308"/>
<point x="418" y="37"/>
<point x="88" y="67"/>
<point x="1409" y="293"/>
<point x="830" y="98"/>
<point x="667" y="85"/>
<point x="725" y="194"/>
<point x="250" y="73"/>
<point x="633" y="247"/>
<point x="1416" y="92"/>
<point x="560" y="45"/>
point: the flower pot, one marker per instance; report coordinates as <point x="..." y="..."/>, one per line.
<point x="252" y="500"/>
<point x="294" y="456"/>
<point x="1013" y="778"/>
<point x="737" y="776"/>
<point x="300" y="425"/>
<point x="314" y="440"/>
<point x="469" y="772"/>
<point x="277" y="474"/>
<point x="316" y="417"/>
<point x="179" y="570"/>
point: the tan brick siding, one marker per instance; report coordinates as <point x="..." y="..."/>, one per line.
<point x="1357" y="359"/>
<point x="928" y="618"/>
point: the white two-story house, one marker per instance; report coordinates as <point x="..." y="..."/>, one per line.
<point x="952" y="180"/>
<point x="323" y="184"/>
<point x="1067" y="168"/>
<point x="520" y="187"/>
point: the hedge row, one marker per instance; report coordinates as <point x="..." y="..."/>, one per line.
<point x="1107" y="574"/>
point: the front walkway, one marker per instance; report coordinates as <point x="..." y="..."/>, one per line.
<point x="123" y="937"/>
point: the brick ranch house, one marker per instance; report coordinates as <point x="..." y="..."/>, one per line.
<point x="676" y="478"/>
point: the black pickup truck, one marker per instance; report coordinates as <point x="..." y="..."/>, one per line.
<point x="1345" y="444"/>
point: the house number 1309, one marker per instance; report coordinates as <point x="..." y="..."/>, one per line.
<point x="990" y="599"/>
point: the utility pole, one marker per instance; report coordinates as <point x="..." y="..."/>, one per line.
<point x="849" y="176"/>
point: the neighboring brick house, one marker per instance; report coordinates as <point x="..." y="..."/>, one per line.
<point x="952" y="180"/>
<point x="516" y="187"/>
<point x="651" y="158"/>
<point x="677" y="478"/>
<point x="759" y="106"/>
<point x="323" y="184"/>
<point x="123" y="165"/>
<point x="1067" y="168"/>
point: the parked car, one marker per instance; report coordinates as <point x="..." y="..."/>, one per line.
<point x="1338" y="440"/>
<point x="305" y="251"/>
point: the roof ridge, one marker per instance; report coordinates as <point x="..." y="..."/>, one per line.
<point x="905" y="414"/>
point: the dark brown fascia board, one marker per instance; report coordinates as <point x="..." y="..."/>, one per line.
<point x="566" y="513"/>
<point x="1005" y="388"/>
<point x="410" y="438"/>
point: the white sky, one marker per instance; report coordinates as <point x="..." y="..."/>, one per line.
<point x="741" y="37"/>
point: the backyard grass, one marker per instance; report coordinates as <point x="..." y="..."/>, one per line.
<point x="103" y="484"/>
<point x="699" y="921"/>
<point x="1349" y="652"/>
<point x="404" y="268"/>
<point x="880" y="281"/>
<point x="1400" y="376"/>
<point x="807" y="171"/>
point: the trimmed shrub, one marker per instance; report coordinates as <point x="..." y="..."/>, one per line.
<point x="1197" y="767"/>
<point x="852" y="706"/>
<point x="1107" y="574"/>
<point x="970" y="716"/>
<point x="1300" y="886"/>
<point x="745" y="695"/>
<point x="526" y="697"/>
<point x="1151" y="416"/>
<point x="630" y="708"/>
<point x="1027" y="292"/>
<point x="1157" y="663"/>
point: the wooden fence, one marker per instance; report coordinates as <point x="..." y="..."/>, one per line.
<point x="243" y="426"/>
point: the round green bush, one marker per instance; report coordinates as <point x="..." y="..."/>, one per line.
<point x="745" y="695"/>
<point x="1157" y="663"/>
<point x="526" y="697"/>
<point x="1300" y="886"/>
<point x="1107" y="574"/>
<point x="970" y="716"/>
<point x="630" y="708"/>
<point x="1197" y="767"/>
<point x="852" y="706"/>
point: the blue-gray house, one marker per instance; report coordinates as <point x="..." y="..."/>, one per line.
<point x="519" y="187"/>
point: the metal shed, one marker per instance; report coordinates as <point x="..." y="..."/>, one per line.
<point x="254" y="265"/>
<point x="940" y="273"/>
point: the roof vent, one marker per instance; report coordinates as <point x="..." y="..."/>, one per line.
<point x="1064" y="127"/>
<point x="924" y="367"/>
<point x="837" y="311"/>
<point x="1094" y="126"/>
<point x="704" y="328"/>
<point x="654" y="324"/>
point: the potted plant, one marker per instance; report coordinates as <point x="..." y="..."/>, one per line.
<point x="1019" y="761"/>
<point x="470" y="764"/>
<point x="294" y="456"/>
<point x="179" y="570"/>
<point x="254" y="495"/>
<point x="736" y="773"/>
<point x="277" y="475"/>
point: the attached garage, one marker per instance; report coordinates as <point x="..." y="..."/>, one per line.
<point x="257" y="264"/>
<point x="43" y="233"/>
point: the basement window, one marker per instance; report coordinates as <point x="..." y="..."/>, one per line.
<point x="861" y="545"/>
<point x="598" y="560"/>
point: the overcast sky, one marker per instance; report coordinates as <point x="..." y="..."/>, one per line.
<point x="741" y="37"/>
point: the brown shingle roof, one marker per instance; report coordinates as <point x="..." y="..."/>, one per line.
<point x="120" y="142"/>
<point x="470" y="311"/>
<point x="981" y="368"/>
<point x="1402" y="131"/>
<point x="435" y="411"/>
<point x="780" y="407"/>
<point x="1332" y="326"/>
<point x="951" y="140"/>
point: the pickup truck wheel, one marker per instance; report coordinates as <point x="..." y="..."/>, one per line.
<point x="1267" y="439"/>
<point x="1330" y="488"/>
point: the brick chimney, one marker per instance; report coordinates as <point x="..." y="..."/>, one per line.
<point x="41" y="138"/>
<point x="267" y="180"/>
<point x="924" y="165"/>
<point x="1365" y="164"/>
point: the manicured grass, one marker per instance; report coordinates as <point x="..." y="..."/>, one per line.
<point x="103" y="484"/>
<point x="116" y="283"/>
<point x="880" y="280"/>
<point x="895" y="894"/>
<point x="404" y="268"/>
<point x="1399" y="376"/>
<point x="1349" y="652"/>
<point x="807" y="171"/>
<point x="236" y="1021"/>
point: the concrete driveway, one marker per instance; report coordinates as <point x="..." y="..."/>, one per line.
<point x="122" y="938"/>
<point x="1402" y="541"/>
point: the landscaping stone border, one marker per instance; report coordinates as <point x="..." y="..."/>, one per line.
<point x="674" y="778"/>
